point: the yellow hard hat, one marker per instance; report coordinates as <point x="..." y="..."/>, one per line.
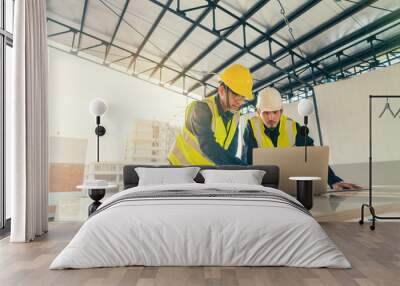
<point x="238" y="78"/>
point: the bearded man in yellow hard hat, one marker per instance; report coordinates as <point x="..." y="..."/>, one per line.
<point x="272" y="129"/>
<point x="210" y="132"/>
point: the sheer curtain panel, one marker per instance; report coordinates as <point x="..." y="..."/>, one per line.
<point x="28" y="123"/>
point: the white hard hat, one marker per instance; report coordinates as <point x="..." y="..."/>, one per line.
<point x="269" y="99"/>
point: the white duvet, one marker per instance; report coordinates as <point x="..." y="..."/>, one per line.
<point x="200" y="231"/>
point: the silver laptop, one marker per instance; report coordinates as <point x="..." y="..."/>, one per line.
<point x="292" y="164"/>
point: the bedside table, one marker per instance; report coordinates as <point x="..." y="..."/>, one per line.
<point x="96" y="193"/>
<point x="305" y="190"/>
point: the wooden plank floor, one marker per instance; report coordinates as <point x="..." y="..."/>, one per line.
<point x="375" y="256"/>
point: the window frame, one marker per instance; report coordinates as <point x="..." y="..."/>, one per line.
<point x="6" y="39"/>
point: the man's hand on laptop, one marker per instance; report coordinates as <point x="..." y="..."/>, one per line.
<point x="345" y="186"/>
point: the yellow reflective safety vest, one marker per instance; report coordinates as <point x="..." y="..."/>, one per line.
<point x="287" y="132"/>
<point x="186" y="149"/>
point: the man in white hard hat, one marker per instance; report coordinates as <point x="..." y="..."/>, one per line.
<point x="272" y="129"/>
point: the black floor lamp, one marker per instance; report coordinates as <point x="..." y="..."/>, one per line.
<point x="305" y="108"/>
<point x="97" y="107"/>
<point x="304" y="193"/>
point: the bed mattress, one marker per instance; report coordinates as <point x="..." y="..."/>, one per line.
<point x="201" y="225"/>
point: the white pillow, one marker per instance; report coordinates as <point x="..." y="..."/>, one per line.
<point x="165" y="176"/>
<point x="248" y="177"/>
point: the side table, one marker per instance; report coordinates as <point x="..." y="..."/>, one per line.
<point x="305" y="190"/>
<point x="96" y="193"/>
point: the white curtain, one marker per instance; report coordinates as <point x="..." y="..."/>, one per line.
<point x="28" y="157"/>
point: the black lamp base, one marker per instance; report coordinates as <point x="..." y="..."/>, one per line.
<point x="305" y="193"/>
<point x="96" y="195"/>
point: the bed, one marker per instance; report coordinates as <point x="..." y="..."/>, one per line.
<point x="198" y="224"/>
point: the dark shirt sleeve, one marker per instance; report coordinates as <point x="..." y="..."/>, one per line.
<point x="332" y="178"/>
<point x="200" y="125"/>
<point x="249" y="143"/>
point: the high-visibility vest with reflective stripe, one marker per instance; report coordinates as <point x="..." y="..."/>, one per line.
<point x="186" y="149"/>
<point x="287" y="132"/>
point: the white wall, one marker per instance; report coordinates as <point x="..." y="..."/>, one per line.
<point x="67" y="150"/>
<point x="74" y="82"/>
<point x="343" y="111"/>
